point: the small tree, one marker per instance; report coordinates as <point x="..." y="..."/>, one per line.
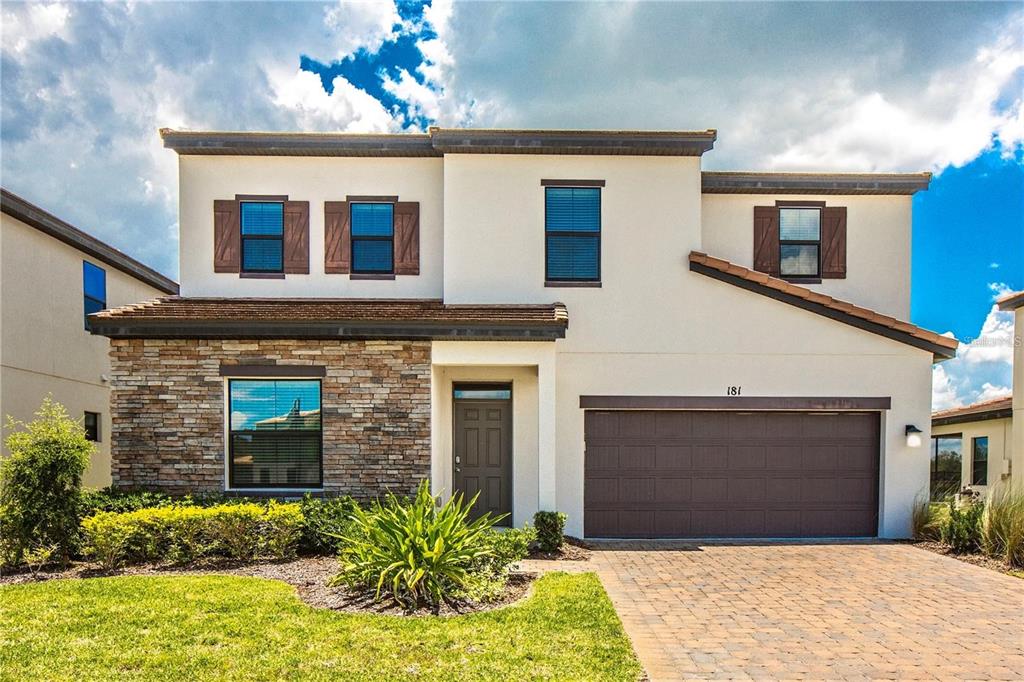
<point x="41" y="484"/>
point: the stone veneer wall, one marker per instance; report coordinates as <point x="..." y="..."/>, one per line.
<point x="167" y="407"/>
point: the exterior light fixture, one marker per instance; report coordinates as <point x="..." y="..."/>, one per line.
<point x="913" y="436"/>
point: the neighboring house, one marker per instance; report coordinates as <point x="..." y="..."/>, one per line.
<point x="534" y="316"/>
<point x="51" y="276"/>
<point x="971" y="446"/>
<point x="1015" y="302"/>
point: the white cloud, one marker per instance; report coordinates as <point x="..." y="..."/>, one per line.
<point x="950" y="121"/>
<point x="35" y="22"/>
<point x="345" y="109"/>
<point x="983" y="365"/>
<point x="357" y="25"/>
<point x="423" y="100"/>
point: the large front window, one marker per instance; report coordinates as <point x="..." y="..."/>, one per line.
<point x="276" y="438"/>
<point x="800" y="242"/>
<point x="947" y="460"/>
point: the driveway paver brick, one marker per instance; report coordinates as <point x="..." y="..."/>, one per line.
<point x="813" y="611"/>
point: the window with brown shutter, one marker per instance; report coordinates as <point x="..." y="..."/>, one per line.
<point x="337" y="238"/>
<point x="833" y="242"/>
<point x="296" y="237"/>
<point x="227" y="238"/>
<point x="766" y="240"/>
<point x="407" y="238"/>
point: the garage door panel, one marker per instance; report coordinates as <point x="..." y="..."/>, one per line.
<point x="700" y="474"/>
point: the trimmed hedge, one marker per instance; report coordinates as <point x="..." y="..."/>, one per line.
<point x="550" y="527"/>
<point x="180" y="533"/>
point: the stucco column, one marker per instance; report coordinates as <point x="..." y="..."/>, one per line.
<point x="546" y="460"/>
<point x="1017" y="425"/>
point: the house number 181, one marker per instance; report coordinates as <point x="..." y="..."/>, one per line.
<point x="733" y="390"/>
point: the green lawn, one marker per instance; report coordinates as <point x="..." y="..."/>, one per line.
<point x="221" y="627"/>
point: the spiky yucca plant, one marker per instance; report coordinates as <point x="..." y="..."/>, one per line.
<point x="1003" y="526"/>
<point x="415" y="551"/>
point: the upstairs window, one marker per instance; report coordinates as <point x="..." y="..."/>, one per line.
<point x="92" y="426"/>
<point x="373" y="238"/>
<point x="262" y="236"/>
<point x="800" y="242"/>
<point x="979" y="461"/>
<point x="94" y="286"/>
<point x="276" y="438"/>
<point x="572" y="234"/>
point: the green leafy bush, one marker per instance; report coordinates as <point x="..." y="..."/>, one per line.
<point x="179" y="533"/>
<point x="111" y="500"/>
<point x="41" y="484"/>
<point x="415" y="552"/>
<point x="962" y="530"/>
<point x="1003" y="525"/>
<point x="488" y="575"/>
<point x="326" y="521"/>
<point x="550" y="530"/>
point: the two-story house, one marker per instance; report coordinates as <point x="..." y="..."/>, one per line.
<point x="52" y="275"/>
<point x="573" y="320"/>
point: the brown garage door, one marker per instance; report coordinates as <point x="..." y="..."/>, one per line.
<point x="663" y="474"/>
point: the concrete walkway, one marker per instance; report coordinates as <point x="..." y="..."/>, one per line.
<point x="812" y="611"/>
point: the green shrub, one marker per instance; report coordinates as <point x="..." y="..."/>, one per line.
<point x="41" y="484"/>
<point x="415" y="552"/>
<point x="1002" y="534"/>
<point x="962" y="529"/>
<point x="179" y="533"/>
<point x="488" y="575"/>
<point x="550" y="530"/>
<point x="326" y="521"/>
<point x="110" y="500"/>
<point x="928" y="519"/>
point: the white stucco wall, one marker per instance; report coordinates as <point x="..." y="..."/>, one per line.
<point x="999" y="433"/>
<point x="878" y="244"/>
<point x="316" y="180"/>
<point x="1017" y="445"/>
<point x="46" y="349"/>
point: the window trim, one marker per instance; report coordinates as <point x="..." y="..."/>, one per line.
<point x="242" y="270"/>
<point x="229" y="442"/>
<point x="99" y="430"/>
<point x="974" y="461"/>
<point x="373" y="274"/>
<point x="816" y="206"/>
<point x="550" y="281"/>
<point x="933" y="459"/>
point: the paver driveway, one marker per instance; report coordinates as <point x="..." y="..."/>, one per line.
<point x="815" y="611"/>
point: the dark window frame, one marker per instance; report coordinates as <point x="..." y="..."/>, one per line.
<point x="95" y="432"/>
<point x="574" y="233"/>
<point x="353" y="238"/>
<point x="801" y="242"/>
<point x="259" y="237"/>
<point x="231" y="485"/>
<point x="86" y="298"/>
<point x="933" y="469"/>
<point x="975" y="462"/>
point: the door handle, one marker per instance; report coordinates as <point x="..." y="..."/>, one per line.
<point x="458" y="469"/>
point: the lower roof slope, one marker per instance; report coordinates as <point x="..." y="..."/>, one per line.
<point x="180" y="317"/>
<point x="998" y="408"/>
<point x="942" y="347"/>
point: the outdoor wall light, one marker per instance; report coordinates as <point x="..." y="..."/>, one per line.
<point x="913" y="436"/>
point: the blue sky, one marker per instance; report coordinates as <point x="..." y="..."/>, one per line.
<point x="789" y="86"/>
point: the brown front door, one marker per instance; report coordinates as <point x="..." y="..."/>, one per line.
<point x="482" y="454"/>
<point x="651" y="474"/>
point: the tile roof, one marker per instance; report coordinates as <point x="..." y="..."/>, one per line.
<point x="842" y="311"/>
<point x="1011" y="301"/>
<point x="176" y="317"/>
<point x="986" y="409"/>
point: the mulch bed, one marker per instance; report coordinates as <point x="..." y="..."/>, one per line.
<point x="573" y="549"/>
<point x="309" y="576"/>
<point x="977" y="559"/>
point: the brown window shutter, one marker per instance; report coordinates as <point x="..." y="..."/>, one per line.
<point x="296" y="237"/>
<point x="407" y="238"/>
<point x="766" y="240"/>
<point x="337" y="237"/>
<point x="833" y="242"/>
<point x="227" y="236"/>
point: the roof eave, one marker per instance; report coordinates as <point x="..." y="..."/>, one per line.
<point x="738" y="182"/>
<point x="987" y="415"/>
<point x="1012" y="301"/>
<point x="47" y="223"/>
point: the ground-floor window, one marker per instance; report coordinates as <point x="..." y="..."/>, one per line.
<point x="947" y="460"/>
<point x="276" y="438"/>
<point x="979" y="461"/>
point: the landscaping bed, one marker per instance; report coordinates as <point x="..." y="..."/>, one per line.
<point x="977" y="559"/>
<point x="572" y="549"/>
<point x="205" y="627"/>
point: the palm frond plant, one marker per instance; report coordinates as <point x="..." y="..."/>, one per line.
<point x="416" y="552"/>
